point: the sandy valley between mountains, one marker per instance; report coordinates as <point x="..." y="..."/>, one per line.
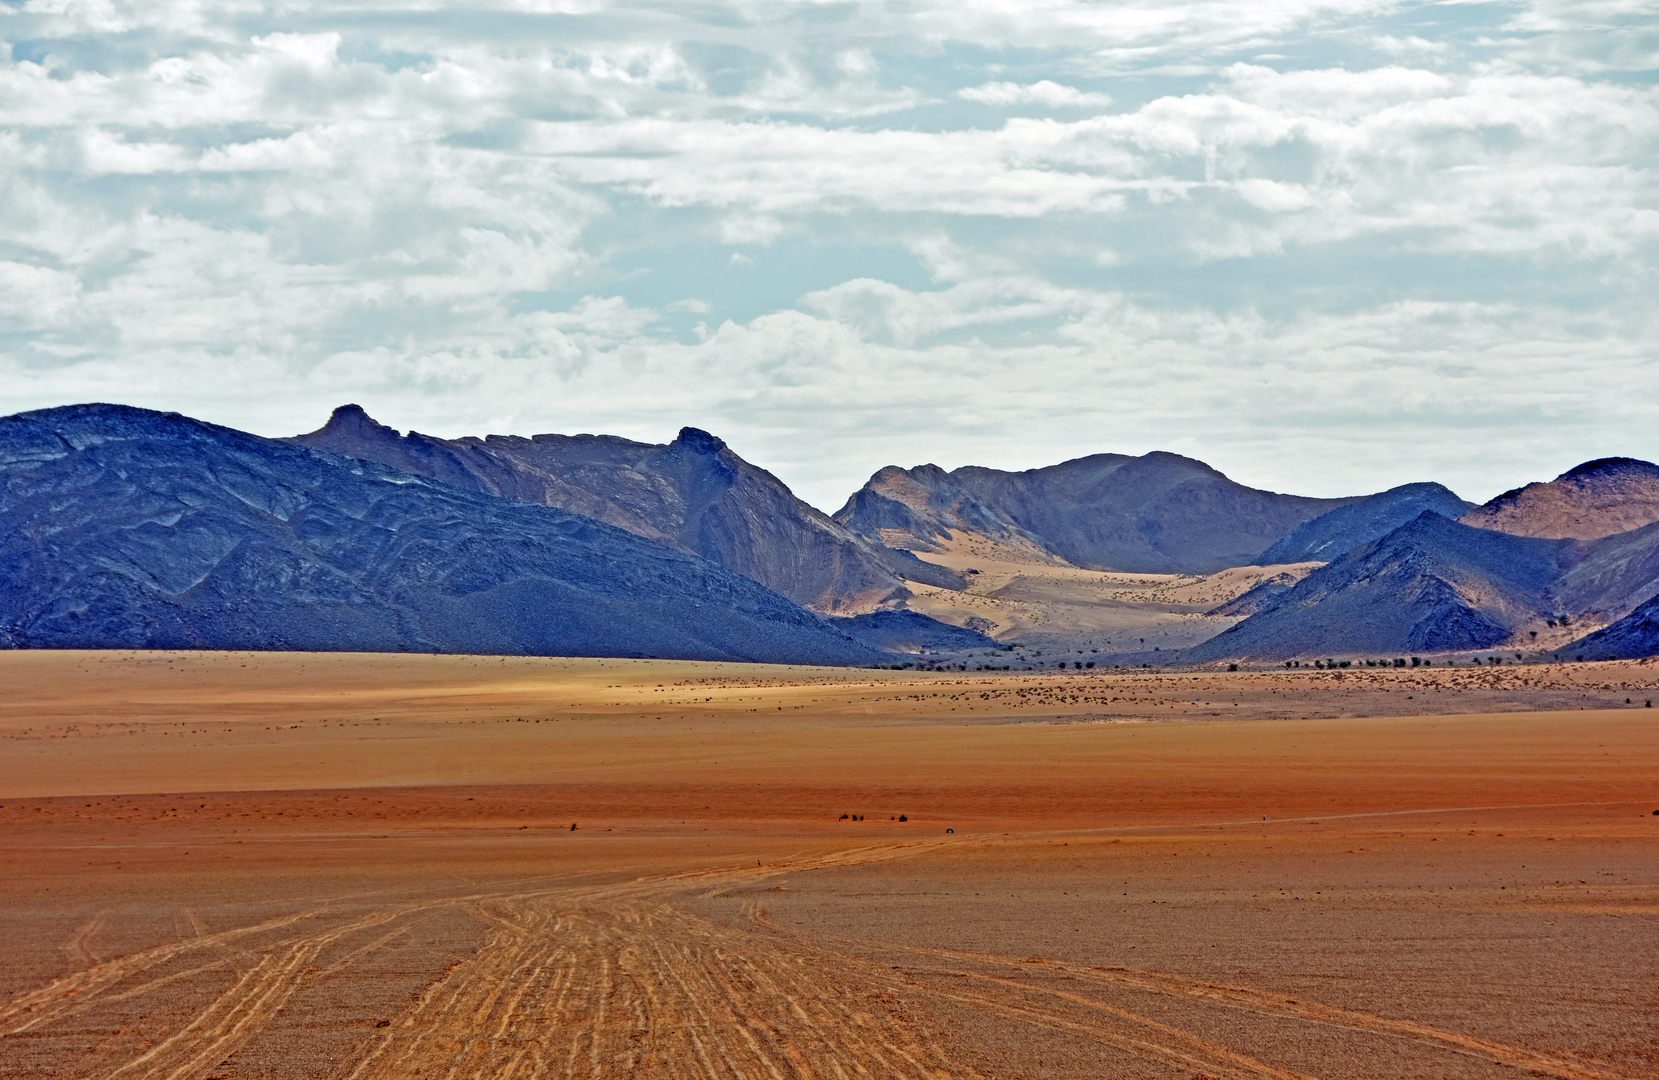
<point x="346" y="866"/>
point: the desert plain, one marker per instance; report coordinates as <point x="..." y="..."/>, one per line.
<point x="241" y="865"/>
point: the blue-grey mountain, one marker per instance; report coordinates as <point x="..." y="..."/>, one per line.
<point x="693" y="494"/>
<point x="1637" y="634"/>
<point x="1432" y="585"/>
<point x="122" y="527"/>
<point x="1362" y="521"/>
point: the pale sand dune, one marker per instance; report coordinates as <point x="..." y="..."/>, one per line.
<point x="374" y="873"/>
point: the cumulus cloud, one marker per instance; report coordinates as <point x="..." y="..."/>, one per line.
<point x="903" y="232"/>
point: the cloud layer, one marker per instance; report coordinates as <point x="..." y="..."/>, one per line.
<point x="1328" y="247"/>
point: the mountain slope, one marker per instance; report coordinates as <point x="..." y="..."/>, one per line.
<point x="1431" y="585"/>
<point x="1637" y="634"/>
<point x="121" y="527"/>
<point x="694" y="494"/>
<point x="1598" y="498"/>
<point x="1360" y="522"/>
<point x="1161" y="513"/>
<point x="1617" y="573"/>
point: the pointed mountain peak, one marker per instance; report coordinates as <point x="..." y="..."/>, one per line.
<point x="349" y="430"/>
<point x="352" y="419"/>
<point x="699" y="440"/>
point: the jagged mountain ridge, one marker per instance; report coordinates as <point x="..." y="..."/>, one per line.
<point x="1159" y="513"/>
<point x="1441" y="590"/>
<point x="694" y="494"/>
<point x="122" y="527"/>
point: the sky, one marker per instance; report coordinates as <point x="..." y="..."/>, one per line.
<point x="1326" y="247"/>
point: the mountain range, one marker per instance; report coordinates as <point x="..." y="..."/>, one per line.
<point x="1160" y="514"/>
<point x="124" y="528"/>
<point x="121" y="527"/>
<point x="692" y="494"/>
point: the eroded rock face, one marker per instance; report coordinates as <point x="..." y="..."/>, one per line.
<point x="694" y="494"/>
<point x="129" y="528"/>
<point x="1161" y="513"/>
<point x="1598" y="498"/>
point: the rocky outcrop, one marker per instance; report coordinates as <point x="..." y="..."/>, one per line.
<point x="694" y="494"/>
<point x="1258" y="598"/>
<point x="122" y="527"/>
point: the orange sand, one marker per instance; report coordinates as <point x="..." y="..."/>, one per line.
<point x="298" y="865"/>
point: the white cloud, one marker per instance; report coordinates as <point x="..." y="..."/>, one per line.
<point x="1343" y="258"/>
<point x="1045" y="93"/>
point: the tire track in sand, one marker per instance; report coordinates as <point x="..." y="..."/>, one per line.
<point x="623" y="981"/>
<point x="76" y="989"/>
<point x="637" y="987"/>
<point x="1249" y="999"/>
<point x="242" y="1010"/>
<point x="79" y="946"/>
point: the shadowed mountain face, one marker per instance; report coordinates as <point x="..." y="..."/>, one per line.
<point x="1161" y="513"/>
<point x="1617" y="573"/>
<point x="1360" y="522"/>
<point x="129" y="528"/>
<point x="1596" y="499"/>
<point x="1637" y="634"/>
<point x="1432" y="585"/>
<point x="693" y="494"/>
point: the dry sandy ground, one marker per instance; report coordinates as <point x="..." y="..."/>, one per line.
<point x="224" y="865"/>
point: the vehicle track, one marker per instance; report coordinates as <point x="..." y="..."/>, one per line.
<point x="1249" y="999"/>
<point x="623" y="980"/>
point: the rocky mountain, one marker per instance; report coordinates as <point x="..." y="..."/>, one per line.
<point x="1432" y="585"/>
<point x="693" y="494"/>
<point x="1617" y="573"/>
<point x="1160" y="513"/>
<point x="1598" y="498"/>
<point x="1637" y="634"/>
<point x="1362" y="521"/>
<point x="121" y="527"/>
